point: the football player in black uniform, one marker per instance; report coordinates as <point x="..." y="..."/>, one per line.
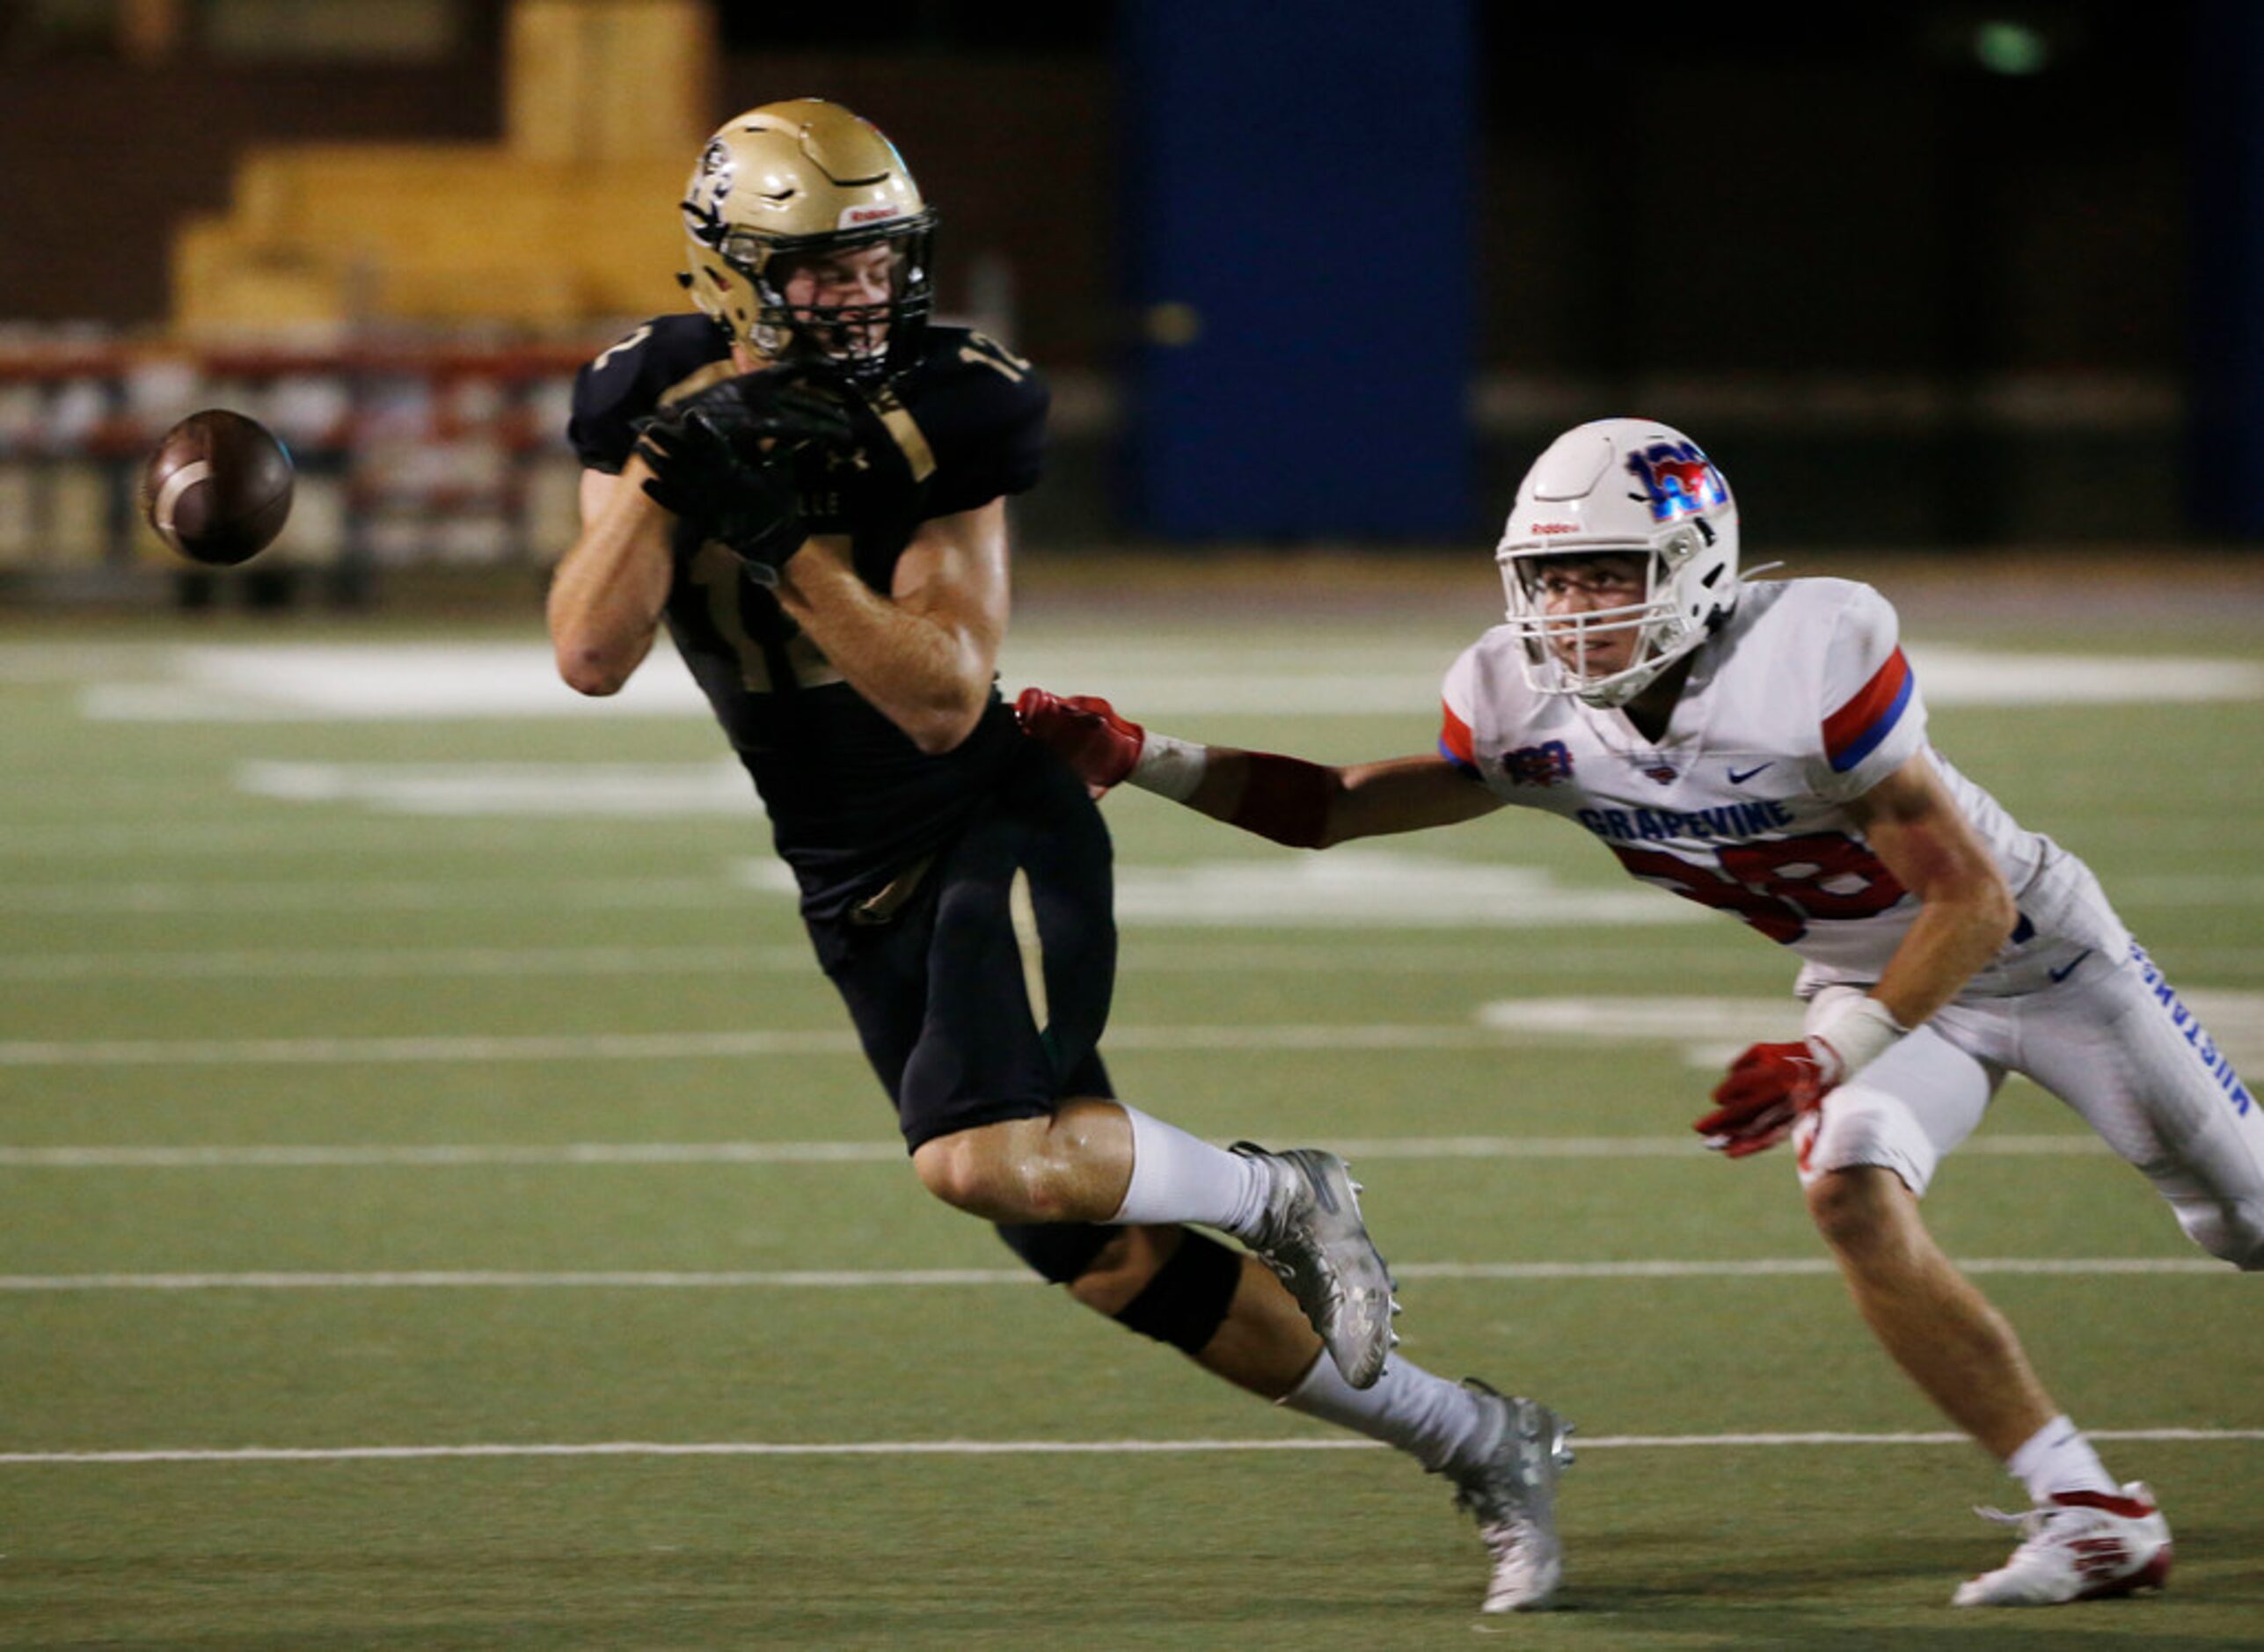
<point x="806" y="481"/>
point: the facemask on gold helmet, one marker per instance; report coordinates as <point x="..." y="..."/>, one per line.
<point x="807" y="239"/>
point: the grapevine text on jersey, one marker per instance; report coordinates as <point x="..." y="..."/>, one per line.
<point x="1657" y="825"/>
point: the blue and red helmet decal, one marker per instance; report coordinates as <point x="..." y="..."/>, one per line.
<point x="1679" y="480"/>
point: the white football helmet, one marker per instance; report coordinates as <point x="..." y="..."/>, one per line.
<point x="798" y="180"/>
<point x="1628" y="487"/>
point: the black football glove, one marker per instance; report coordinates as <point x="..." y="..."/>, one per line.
<point x="728" y="460"/>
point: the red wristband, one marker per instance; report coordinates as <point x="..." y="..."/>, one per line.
<point x="1285" y="798"/>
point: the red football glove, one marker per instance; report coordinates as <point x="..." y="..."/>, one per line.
<point x="1767" y="1089"/>
<point x="1086" y="731"/>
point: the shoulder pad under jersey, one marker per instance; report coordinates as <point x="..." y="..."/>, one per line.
<point x="632" y="378"/>
<point x="982" y="411"/>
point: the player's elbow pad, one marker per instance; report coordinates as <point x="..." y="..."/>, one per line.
<point x="1285" y="798"/>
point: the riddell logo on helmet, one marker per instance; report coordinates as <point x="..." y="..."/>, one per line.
<point x="851" y="216"/>
<point x="1556" y="527"/>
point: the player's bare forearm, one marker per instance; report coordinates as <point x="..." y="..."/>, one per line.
<point x="1288" y="800"/>
<point x="922" y="672"/>
<point x="1966" y="911"/>
<point x="609" y="590"/>
<point x="925" y="652"/>
<point x="1943" y="949"/>
<point x="1365" y="800"/>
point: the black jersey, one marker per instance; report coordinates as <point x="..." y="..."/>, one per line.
<point x="852" y="800"/>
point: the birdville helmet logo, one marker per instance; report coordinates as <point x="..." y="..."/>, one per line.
<point x="1678" y="479"/>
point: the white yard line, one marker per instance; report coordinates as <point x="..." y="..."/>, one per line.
<point x="1455" y="953"/>
<point x="1024" y="1447"/>
<point x="468" y="1047"/>
<point x="354" y="895"/>
<point x="413" y="963"/>
<point x="295" y="834"/>
<point x="928" y="1278"/>
<point x="1180" y="676"/>
<point x="680" y="1046"/>
<point x="469" y="1154"/>
<point x="1718" y="1026"/>
<point x="1354" y="891"/>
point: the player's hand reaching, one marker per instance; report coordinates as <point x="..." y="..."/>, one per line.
<point x="1085" y="731"/>
<point x="729" y="459"/>
<point x="1767" y="1089"/>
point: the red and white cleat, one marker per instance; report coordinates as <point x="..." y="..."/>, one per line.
<point x="2077" y="1546"/>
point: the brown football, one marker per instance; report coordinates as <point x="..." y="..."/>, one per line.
<point x="218" y="487"/>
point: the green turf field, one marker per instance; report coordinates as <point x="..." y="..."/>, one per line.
<point x="441" y="1213"/>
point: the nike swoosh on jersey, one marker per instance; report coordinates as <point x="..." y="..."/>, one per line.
<point x="2059" y="976"/>
<point x="1736" y="778"/>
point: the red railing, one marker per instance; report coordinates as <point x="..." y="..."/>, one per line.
<point x="409" y="451"/>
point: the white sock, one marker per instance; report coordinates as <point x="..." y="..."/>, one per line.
<point x="1177" y="1177"/>
<point x="2058" y="1459"/>
<point x="1437" y="1422"/>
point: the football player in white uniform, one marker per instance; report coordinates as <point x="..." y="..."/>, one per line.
<point x="1762" y="748"/>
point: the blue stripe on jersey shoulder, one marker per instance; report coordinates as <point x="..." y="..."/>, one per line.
<point x="1866" y="742"/>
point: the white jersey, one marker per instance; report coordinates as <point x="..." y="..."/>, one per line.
<point x="1802" y="702"/>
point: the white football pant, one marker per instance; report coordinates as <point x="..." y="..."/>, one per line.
<point x="2113" y="1041"/>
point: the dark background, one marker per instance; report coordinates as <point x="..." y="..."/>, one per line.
<point x="1832" y="242"/>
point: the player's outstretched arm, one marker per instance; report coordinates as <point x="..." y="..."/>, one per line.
<point x="924" y="654"/>
<point x="1305" y="805"/>
<point x="609" y="590"/>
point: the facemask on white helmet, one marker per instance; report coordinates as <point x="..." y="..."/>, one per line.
<point x="1619" y="488"/>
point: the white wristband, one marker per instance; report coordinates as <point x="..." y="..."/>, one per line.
<point x="1863" y="1030"/>
<point x="1171" y="768"/>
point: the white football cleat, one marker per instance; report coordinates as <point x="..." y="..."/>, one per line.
<point x="2077" y="1546"/>
<point x="1513" y="1494"/>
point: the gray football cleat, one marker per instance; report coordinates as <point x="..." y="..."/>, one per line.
<point x="1512" y="1493"/>
<point x="1312" y="1237"/>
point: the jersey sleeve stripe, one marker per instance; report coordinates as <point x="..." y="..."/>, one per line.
<point x="1454" y="740"/>
<point x="1853" y="732"/>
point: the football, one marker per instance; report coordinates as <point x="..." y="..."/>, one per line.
<point x="217" y="488"/>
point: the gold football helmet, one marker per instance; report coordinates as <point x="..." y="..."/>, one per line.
<point x="801" y="186"/>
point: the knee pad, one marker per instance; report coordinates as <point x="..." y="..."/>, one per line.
<point x="1187" y="1299"/>
<point x="1183" y="1304"/>
<point x="1860" y="1126"/>
<point x="1059" y="1251"/>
